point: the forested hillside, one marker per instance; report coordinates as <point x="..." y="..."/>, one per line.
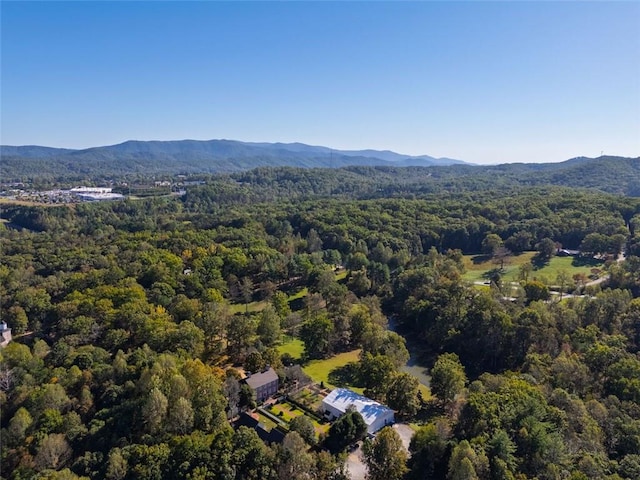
<point x="378" y="173"/>
<point x="133" y="321"/>
<point x="188" y="156"/>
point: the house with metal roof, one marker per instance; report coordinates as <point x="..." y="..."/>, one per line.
<point x="375" y="415"/>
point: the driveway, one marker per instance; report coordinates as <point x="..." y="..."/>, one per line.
<point x="355" y="461"/>
<point x="355" y="464"/>
<point x="405" y="432"/>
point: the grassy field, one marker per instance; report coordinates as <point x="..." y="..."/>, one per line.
<point x="293" y="346"/>
<point x="252" y="307"/>
<point x="477" y="266"/>
<point x="319" y="370"/>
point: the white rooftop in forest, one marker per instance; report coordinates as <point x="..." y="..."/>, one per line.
<point x="374" y="414"/>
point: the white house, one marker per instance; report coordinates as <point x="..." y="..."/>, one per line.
<point x="375" y="415"/>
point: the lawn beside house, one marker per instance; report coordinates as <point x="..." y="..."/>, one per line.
<point x="319" y="370"/>
<point x="288" y="412"/>
<point x="292" y="346"/>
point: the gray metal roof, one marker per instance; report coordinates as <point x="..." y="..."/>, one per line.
<point x="258" y="380"/>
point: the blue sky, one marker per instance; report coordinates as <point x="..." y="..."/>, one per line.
<point x="485" y="82"/>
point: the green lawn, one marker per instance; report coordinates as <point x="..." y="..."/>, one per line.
<point x="293" y="346"/>
<point x="253" y="307"/>
<point x="478" y="265"/>
<point x="309" y="398"/>
<point x="570" y="265"/>
<point x="266" y="421"/>
<point x="290" y="411"/>
<point x="319" y="370"/>
<point x="299" y="294"/>
<point x="286" y="411"/>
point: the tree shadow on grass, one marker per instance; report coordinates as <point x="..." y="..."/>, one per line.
<point x="478" y="259"/>
<point x="586" y="262"/>
<point x="539" y="262"/>
<point x="493" y="274"/>
<point x="345" y="376"/>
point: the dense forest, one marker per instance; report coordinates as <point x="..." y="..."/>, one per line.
<point x="133" y="321"/>
<point x="298" y="175"/>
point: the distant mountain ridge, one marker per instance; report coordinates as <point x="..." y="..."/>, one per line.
<point x="146" y="159"/>
<point x="199" y="156"/>
<point x="32" y="151"/>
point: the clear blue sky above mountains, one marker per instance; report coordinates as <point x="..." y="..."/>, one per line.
<point x="485" y="82"/>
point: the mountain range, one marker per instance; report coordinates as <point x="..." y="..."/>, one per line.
<point x="194" y="156"/>
<point x="146" y="159"/>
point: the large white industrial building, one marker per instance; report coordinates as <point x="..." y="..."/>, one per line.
<point x="93" y="194"/>
<point x="375" y="415"/>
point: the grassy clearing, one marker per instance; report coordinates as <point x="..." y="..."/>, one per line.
<point x="570" y="265"/>
<point x="253" y="307"/>
<point x="477" y="266"/>
<point x="319" y="370"/>
<point x="292" y="346"/>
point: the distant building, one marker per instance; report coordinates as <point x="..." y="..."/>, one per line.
<point x="565" y="252"/>
<point x="263" y="384"/>
<point x="97" y="197"/>
<point x="94" y="194"/>
<point x="375" y="415"/>
<point x="5" y="334"/>
<point x="91" y="190"/>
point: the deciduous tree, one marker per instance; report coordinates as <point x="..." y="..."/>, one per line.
<point x="385" y="457"/>
<point x="403" y="395"/>
<point x="447" y="377"/>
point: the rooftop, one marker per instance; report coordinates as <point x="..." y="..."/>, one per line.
<point x="343" y="398"/>
<point x="258" y="380"/>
